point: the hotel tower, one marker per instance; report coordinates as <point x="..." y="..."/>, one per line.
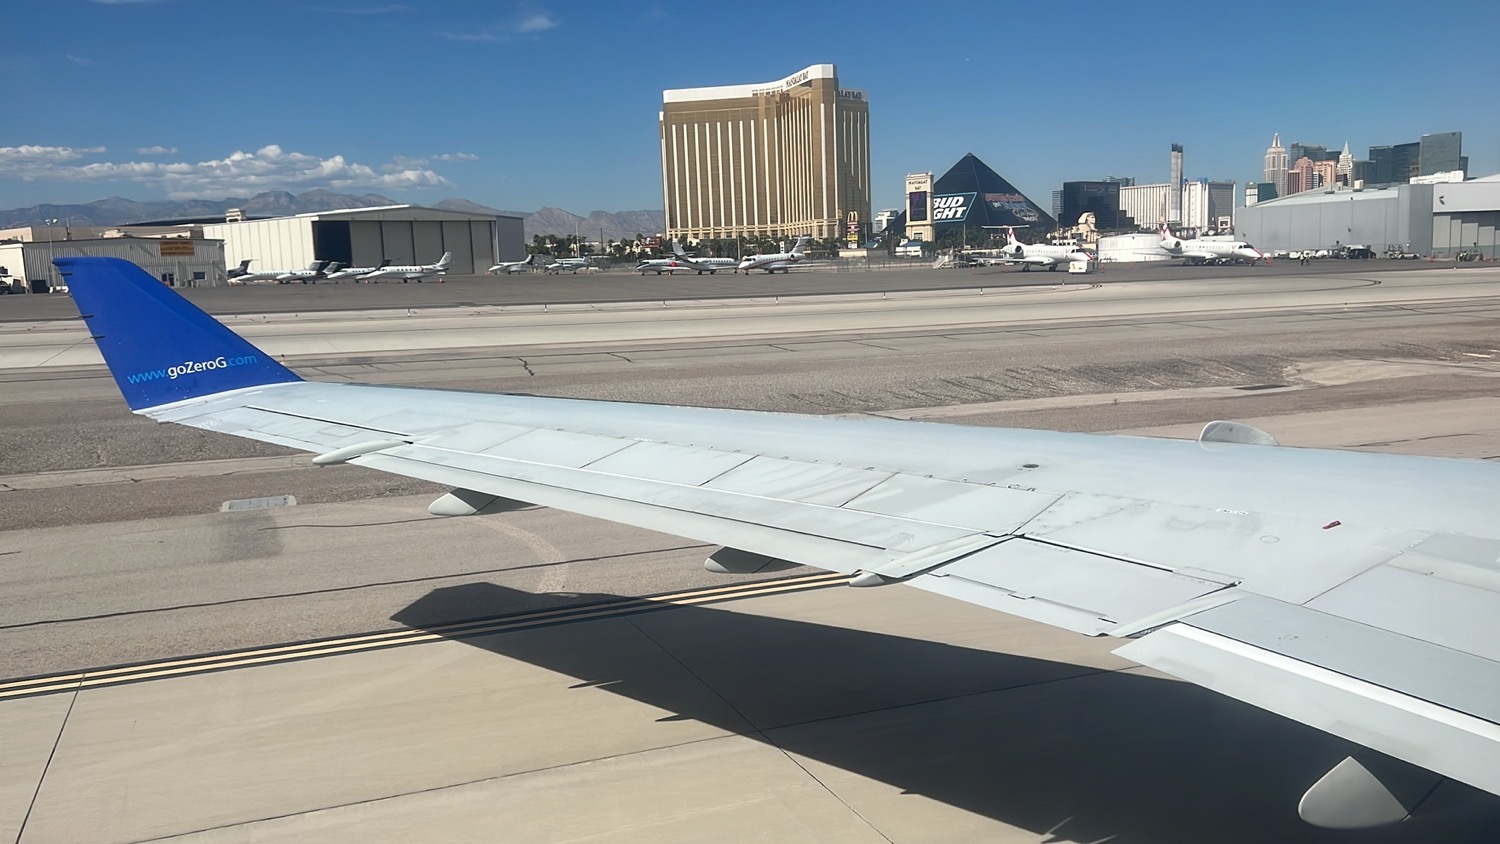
<point x="783" y="158"/>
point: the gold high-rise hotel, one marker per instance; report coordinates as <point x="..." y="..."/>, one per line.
<point x="789" y="157"/>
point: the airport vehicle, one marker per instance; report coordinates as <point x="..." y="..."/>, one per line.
<point x="1048" y="255"/>
<point x="315" y="270"/>
<point x="356" y="272"/>
<point x="704" y="265"/>
<point x="1350" y="591"/>
<point x="509" y="267"/>
<point x="1200" y="251"/>
<point x="782" y="261"/>
<point x="572" y="265"/>
<point x="413" y="272"/>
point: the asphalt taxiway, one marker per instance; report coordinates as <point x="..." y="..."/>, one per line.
<point x="349" y="668"/>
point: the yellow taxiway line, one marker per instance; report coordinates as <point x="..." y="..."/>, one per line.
<point x="93" y="678"/>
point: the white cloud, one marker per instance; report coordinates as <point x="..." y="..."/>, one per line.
<point x="29" y="155"/>
<point x="268" y="168"/>
<point x="156" y="150"/>
<point x="82" y="61"/>
<point x="402" y="162"/>
<point x="535" y="21"/>
<point x="485" y="35"/>
<point x="528" y="20"/>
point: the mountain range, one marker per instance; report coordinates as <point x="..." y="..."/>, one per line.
<point x="117" y="211"/>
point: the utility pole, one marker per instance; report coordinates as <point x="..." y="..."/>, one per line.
<point x="51" y="255"/>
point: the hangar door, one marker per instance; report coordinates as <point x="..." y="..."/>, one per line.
<point x="365" y="243"/>
<point x="456" y="240"/>
<point x="427" y="240"/>
<point x="331" y="241"/>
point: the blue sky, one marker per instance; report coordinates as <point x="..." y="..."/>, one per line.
<point x="524" y="105"/>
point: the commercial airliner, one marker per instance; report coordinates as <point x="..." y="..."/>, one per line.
<point x="413" y="272"/>
<point x="1351" y="591"/>
<point x="356" y="272"/>
<point x="776" y="261"/>
<point x="1208" y="251"/>
<point x="509" y="267"/>
<point x="1048" y="255"/>
<point x="704" y="265"/>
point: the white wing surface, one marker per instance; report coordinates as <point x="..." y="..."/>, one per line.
<point x="1358" y="593"/>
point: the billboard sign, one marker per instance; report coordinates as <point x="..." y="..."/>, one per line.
<point x="1016" y="204"/>
<point x="916" y="207"/>
<point x="951" y="207"/>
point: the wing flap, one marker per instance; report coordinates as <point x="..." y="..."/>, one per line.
<point x="1266" y="672"/>
<point x="813" y="534"/>
<point x="1074" y="589"/>
<point x="1287" y="557"/>
<point x="1422" y="607"/>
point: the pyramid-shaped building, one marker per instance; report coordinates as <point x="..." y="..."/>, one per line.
<point x="972" y="195"/>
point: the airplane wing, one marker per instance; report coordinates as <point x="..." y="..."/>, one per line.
<point x="1358" y="593"/>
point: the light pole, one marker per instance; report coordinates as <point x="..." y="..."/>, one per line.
<point x="51" y="255"/>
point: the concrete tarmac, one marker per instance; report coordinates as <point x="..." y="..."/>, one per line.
<point x="820" y="713"/>
<point x="621" y="285"/>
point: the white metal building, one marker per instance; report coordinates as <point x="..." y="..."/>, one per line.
<point x="1130" y="248"/>
<point x="363" y="237"/>
<point x="178" y="261"/>
<point x="1466" y="216"/>
<point x="1399" y="216"/>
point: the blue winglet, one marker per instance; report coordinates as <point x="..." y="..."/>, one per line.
<point x="159" y="346"/>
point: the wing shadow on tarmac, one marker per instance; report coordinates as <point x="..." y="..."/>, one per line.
<point x="1072" y="753"/>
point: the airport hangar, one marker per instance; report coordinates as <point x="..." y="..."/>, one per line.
<point x="363" y="237"/>
<point x="178" y="260"/>
<point x="1433" y="219"/>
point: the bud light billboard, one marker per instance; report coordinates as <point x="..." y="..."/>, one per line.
<point x="951" y="207"/>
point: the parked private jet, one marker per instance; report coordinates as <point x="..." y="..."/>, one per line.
<point x="315" y="271"/>
<point x="568" y="265"/>
<point x="357" y="272"/>
<point x="1209" y="251"/>
<point x="782" y="261"/>
<point x="704" y="265"/>
<point x="662" y="265"/>
<point x="415" y="272"/>
<point x="1048" y="255"/>
<point x="509" y="267"/>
